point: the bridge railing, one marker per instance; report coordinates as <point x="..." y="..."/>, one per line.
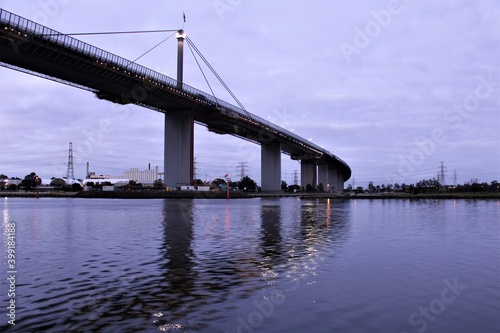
<point x="29" y="27"/>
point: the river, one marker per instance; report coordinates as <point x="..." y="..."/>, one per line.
<point x="250" y="265"/>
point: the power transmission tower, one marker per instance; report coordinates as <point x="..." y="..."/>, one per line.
<point x="70" y="173"/>
<point x="295" y="177"/>
<point x="242" y="168"/>
<point x="441" y="174"/>
<point x="194" y="168"/>
<point x="455" y="177"/>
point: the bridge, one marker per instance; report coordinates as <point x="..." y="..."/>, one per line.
<point x="38" y="50"/>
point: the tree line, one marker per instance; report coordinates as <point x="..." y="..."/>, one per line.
<point x="31" y="181"/>
<point x="430" y="186"/>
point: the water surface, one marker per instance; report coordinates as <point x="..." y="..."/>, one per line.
<point x="253" y="265"/>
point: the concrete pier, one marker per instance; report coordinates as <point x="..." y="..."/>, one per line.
<point x="308" y="173"/>
<point x="178" y="157"/>
<point x="332" y="178"/>
<point x="271" y="166"/>
<point x="323" y="175"/>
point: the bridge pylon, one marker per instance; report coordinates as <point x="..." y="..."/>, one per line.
<point x="179" y="134"/>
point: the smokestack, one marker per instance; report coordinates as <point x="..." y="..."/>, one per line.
<point x="88" y="170"/>
<point x="149" y="166"/>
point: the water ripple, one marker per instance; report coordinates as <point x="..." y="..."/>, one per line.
<point x="203" y="265"/>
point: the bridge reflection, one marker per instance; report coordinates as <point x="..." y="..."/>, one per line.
<point x="210" y="259"/>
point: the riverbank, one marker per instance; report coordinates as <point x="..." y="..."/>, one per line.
<point x="128" y="194"/>
<point x="381" y="196"/>
<point x="241" y="195"/>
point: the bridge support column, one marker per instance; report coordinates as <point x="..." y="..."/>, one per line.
<point x="271" y="166"/>
<point x="179" y="148"/>
<point x="323" y="175"/>
<point x="308" y="173"/>
<point x="340" y="181"/>
<point x="332" y="178"/>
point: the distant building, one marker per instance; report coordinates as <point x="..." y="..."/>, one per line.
<point x="4" y="182"/>
<point x="115" y="182"/>
<point x="146" y="176"/>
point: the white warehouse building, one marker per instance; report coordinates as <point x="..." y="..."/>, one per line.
<point x="146" y="176"/>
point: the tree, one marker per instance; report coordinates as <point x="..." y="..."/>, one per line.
<point x="3" y="181"/>
<point x="30" y="181"/>
<point x="247" y="184"/>
<point x="218" y="182"/>
<point x="158" y="184"/>
<point x="76" y="187"/>
<point x="197" y="182"/>
<point x="494" y="186"/>
<point x="58" y="182"/>
<point x="284" y="185"/>
<point x="294" y="188"/>
<point x="132" y="185"/>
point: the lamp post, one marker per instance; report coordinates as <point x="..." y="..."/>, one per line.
<point x="228" y="179"/>
<point x="36" y="182"/>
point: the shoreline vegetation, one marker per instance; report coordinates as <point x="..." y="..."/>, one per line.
<point x="241" y="195"/>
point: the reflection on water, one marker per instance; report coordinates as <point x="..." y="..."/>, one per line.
<point x="271" y="234"/>
<point x="216" y="255"/>
<point x="178" y="264"/>
<point x="262" y="265"/>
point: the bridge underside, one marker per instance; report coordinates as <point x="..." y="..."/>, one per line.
<point x="38" y="50"/>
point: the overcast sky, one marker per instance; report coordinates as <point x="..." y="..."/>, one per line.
<point x="393" y="88"/>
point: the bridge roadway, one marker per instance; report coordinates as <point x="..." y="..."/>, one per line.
<point x="35" y="49"/>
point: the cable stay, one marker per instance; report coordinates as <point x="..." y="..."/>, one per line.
<point x="201" y="70"/>
<point x="151" y="49"/>
<point x="122" y="33"/>
<point x="191" y="44"/>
